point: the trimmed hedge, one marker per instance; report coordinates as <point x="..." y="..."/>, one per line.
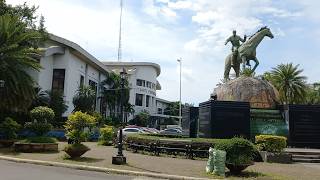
<point x="39" y="139"/>
<point x="271" y="143"/>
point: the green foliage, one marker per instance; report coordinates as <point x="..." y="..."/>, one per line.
<point x="99" y="119"/>
<point x="39" y="128"/>
<point x="239" y="150"/>
<point x="247" y="73"/>
<point x="112" y="96"/>
<point x="17" y="54"/>
<point x="141" y="119"/>
<point x="313" y="94"/>
<point x="42" y="114"/>
<point x="39" y="139"/>
<point x="271" y="143"/>
<point x="76" y="124"/>
<point x="289" y="82"/>
<point x="107" y="134"/>
<point x="84" y="99"/>
<point x="57" y="104"/>
<point x="9" y="128"/>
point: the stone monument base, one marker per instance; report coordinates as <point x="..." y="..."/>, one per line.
<point x="258" y="92"/>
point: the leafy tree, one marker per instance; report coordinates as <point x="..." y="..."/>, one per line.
<point x="313" y="94"/>
<point x="16" y="56"/>
<point x="290" y="83"/>
<point x="19" y="39"/>
<point x="141" y="119"/>
<point x="57" y="104"/>
<point x="84" y="99"/>
<point x="112" y="95"/>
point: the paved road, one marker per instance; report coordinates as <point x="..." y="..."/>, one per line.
<point x="22" y="171"/>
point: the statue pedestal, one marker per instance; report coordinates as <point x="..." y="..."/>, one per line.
<point x="259" y="93"/>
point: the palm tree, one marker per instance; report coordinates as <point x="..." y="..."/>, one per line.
<point x="17" y="55"/>
<point x="112" y="94"/>
<point x="84" y="99"/>
<point x="289" y="82"/>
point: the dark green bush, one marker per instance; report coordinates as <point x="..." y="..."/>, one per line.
<point x="79" y="147"/>
<point x="239" y="150"/>
<point x="38" y="128"/>
<point x="39" y="139"/>
<point x="9" y="128"/>
<point x="271" y="143"/>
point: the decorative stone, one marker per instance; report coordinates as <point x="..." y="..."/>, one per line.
<point x="260" y="93"/>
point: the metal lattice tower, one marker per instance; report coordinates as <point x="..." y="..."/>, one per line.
<point x="120" y="32"/>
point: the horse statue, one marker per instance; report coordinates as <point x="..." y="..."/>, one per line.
<point x="246" y="52"/>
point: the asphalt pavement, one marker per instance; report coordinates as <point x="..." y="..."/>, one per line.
<point x="21" y="171"/>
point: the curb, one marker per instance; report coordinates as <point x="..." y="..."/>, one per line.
<point x="100" y="169"/>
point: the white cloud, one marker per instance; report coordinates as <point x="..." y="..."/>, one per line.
<point x="153" y="32"/>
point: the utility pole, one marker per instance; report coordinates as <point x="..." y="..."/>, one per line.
<point x="120" y="32"/>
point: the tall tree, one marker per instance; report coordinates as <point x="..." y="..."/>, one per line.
<point x="16" y="56"/>
<point x="290" y="83"/>
<point x="19" y="39"/>
<point x="112" y="94"/>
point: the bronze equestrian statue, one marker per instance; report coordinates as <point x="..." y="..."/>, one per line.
<point x="245" y="52"/>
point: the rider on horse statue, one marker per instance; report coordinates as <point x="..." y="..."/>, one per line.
<point x="235" y="41"/>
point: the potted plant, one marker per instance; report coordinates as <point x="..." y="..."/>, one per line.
<point x="240" y="153"/>
<point x="75" y="130"/>
<point x="9" y="128"/>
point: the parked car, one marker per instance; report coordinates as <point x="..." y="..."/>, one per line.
<point x="127" y="131"/>
<point x="150" y="130"/>
<point x="172" y="131"/>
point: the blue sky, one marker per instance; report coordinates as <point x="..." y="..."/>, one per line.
<point x="161" y="31"/>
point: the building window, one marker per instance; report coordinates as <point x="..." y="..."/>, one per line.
<point x="58" y="80"/>
<point x="81" y="80"/>
<point x="159" y="111"/>
<point x="139" y="82"/>
<point x="149" y="84"/>
<point x="147" y="101"/>
<point x="139" y="99"/>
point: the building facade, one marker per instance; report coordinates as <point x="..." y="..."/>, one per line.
<point x="66" y="66"/>
<point x="143" y="83"/>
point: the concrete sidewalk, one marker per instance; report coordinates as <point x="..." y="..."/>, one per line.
<point x="101" y="156"/>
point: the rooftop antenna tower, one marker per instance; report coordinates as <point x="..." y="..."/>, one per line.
<point x="119" y="47"/>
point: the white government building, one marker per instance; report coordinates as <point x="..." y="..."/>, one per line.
<point x="66" y="66"/>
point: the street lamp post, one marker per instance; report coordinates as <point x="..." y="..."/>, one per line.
<point x="120" y="159"/>
<point x="180" y="117"/>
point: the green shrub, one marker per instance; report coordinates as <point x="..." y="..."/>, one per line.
<point x="39" y="128"/>
<point x="39" y="139"/>
<point x="107" y="134"/>
<point x="79" y="147"/>
<point x="239" y="150"/>
<point x="9" y="127"/>
<point x="271" y="143"/>
<point x="42" y="114"/>
<point x="76" y="124"/>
